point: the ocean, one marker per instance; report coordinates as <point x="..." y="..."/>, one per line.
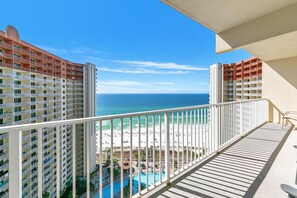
<point x="110" y="104"/>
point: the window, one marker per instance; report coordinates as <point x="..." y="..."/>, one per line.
<point x="17" y="91"/>
<point x="17" y="109"/>
<point x="16" y="47"/>
<point x="33" y="115"/>
<point x="1" y="111"/>
<point x="17" y="100"/>
<point x="16" y="56"/>
<point x="1" y="81"/>
<point x="33" y="99"/>
<point x="1" y="101"/>
<point x="33" y="91"/>
<point x="33" y="106"/>
<point x="1" y="91"/>
<point x="17" y="118"/>
<point x="17" y="64"/>
<point x="17" y="73"/>
<point x="17" y="82"/>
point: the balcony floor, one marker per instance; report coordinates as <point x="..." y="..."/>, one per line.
<point x="254" y="166"/>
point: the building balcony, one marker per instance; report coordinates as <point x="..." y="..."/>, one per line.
<point x="22" y="60"/>
<point x="22" y="77"/>
<point x="22" y="51"/>
<point x="6" y="56"/>
<point x="21" y="86"/>
<point x="6" y="45"/>
<point x="6" y="95"/>
<point x="6" y="85"/>
<point x="9" y="65"/>
<point x="218" y="150"/>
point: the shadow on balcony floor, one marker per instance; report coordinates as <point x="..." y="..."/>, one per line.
<point x="236" y="172"/>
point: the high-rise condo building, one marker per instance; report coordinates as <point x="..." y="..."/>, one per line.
<point x="236" y="81"/>
<point x="37" y="86"/>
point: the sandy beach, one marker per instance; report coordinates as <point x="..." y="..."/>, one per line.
<point x="201" y="135"/>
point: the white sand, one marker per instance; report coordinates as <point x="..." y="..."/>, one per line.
<point x="201" y="134"/>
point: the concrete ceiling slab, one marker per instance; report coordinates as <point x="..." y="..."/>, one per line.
<point x="220" y="15"/>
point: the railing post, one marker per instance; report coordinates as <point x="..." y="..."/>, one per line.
<point x="40" y="162"/>
<point x="73" y="161"/>
<point x="241" y="119"/>
<point x="217" y="122"/>
<point x="15" y="164"/>
<point x="88" y="168"/>
<point x="58" y="162"/>
<point x="167" y="147"/>
<point x="256" y="114"/>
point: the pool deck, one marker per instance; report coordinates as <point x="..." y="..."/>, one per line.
<point x="254" y="166"/>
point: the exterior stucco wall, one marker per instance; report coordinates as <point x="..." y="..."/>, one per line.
<point x="279" y="85"/>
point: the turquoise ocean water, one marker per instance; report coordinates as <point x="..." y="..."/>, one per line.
<point x="111" y="104"/>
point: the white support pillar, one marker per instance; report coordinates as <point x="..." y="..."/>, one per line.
<point x="167" y="147"/>
<point x="73" y="161"/>
<point x="15" y="164"/>
<point x="40" y="162"/>
<point x="241" y="119"/>
<point x="58" y="161"/>
<point x="88" y="124"/>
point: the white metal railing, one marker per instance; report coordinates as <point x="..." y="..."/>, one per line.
<point x="154" y="146"/>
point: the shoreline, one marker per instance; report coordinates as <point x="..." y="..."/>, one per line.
<point x="106" y="138"/>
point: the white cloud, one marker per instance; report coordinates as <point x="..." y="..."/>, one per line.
<point x="126" y="86"/>
<point x="139" y="71"/>
<point x="127" y="83"/>
<point x="52" y="49"/>
<point x="159" y="65"/>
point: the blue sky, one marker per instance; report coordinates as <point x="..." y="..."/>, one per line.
<point x="139" y="46"/>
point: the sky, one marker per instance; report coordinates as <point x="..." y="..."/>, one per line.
<point x="138" y="46"/>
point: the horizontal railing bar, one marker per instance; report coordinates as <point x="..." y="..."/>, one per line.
<point x="49" y="124"/>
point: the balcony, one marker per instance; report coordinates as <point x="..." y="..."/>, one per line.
<point x="9" y="65"/>
<point x="22" y="51"/>
<point x="23" y="60"/>
<point x="219" y="150"/>
<point x="6" y="45"/>
<point x="6" y="56"/>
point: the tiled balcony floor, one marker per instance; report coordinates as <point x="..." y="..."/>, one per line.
<point x="238" y="171"/>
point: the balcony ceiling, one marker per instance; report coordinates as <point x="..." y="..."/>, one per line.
<point x="265" y="28"/>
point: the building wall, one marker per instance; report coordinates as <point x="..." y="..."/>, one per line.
<point x="215" y="83"/>
<point x="90" y="111"/>
<point x="37" y="86"/>
<point x="236" y="81"/>
<point x="279" y="85"/>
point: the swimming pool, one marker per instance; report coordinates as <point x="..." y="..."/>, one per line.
<point x="117" y="185"/>
<point x="150" y="178"/>
<point x="116" y="189"/>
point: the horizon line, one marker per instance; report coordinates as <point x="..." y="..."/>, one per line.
<point x="152" y="93"/>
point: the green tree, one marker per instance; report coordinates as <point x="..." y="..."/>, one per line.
<point x="116" y="172"/>
<point x="46" y="195"/>
<point x="127" y="189"/>
<point x="81" y="188"/>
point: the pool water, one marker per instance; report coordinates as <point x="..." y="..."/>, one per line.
<point x="143" y="179"/>
<point x="116" y="189"/>
<point x="117" y="185"/>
